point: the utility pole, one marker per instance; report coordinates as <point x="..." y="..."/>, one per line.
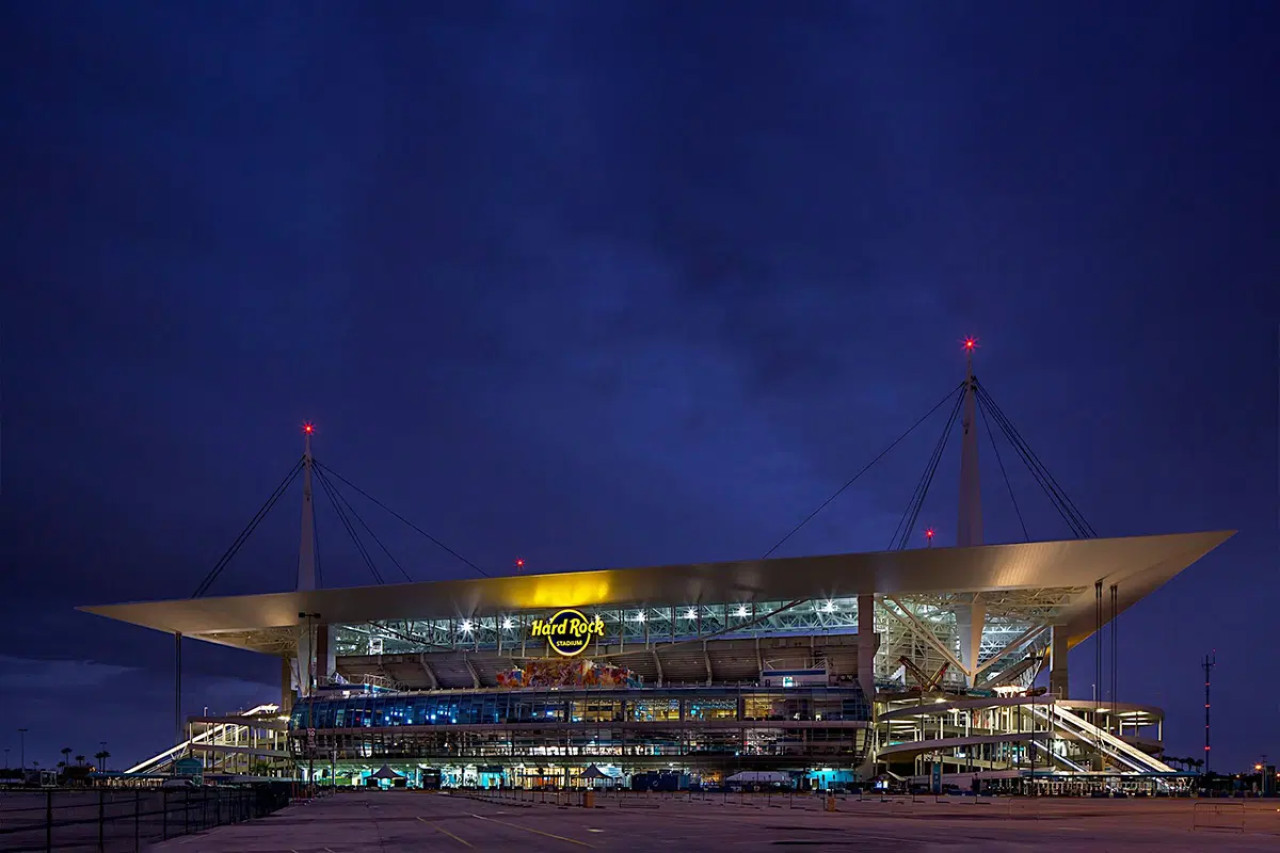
<point x="1209" y="662"/>
<point x="22" y="741"/>
<point x="177" y="688"/>
<point x="1115" y="659"/>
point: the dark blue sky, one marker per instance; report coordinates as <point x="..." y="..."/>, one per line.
<point x="621" y="284"/>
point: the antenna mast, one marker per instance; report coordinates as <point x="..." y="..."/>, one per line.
<point x="1209" y="662"/>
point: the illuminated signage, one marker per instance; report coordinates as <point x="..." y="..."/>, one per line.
<point x="568" y="632"/>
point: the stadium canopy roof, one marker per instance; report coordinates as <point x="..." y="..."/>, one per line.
<point x="1137" y="565"/>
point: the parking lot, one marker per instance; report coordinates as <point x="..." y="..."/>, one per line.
<point x="410" y="820"/>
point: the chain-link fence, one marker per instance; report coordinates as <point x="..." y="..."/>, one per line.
<point x="121" y="819"/>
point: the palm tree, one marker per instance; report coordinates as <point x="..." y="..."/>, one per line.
<point x="79" y="760"/>
<point x="66" y="755"/>
<point x="102" y="756"/>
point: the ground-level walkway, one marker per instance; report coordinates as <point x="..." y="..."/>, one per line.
<point x="419" y="821"/>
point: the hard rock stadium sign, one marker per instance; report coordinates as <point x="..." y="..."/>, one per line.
<point x="568" y="632"/>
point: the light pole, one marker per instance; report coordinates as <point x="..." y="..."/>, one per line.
<point x="104" y="752"/>
<point x="22" y="735"/>
<point x="311" y="699"/>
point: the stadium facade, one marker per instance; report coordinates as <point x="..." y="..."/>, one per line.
<point x="917" y="664"/>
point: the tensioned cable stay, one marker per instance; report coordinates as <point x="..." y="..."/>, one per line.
<point x="790" y="605"/>
<point x="1025" y="456"/>
<point x="413" y="526"/>
<point x="346" y="523"/>
<point x="907" y="523"/>
<point x="352" y="510"/>
<point x="262" y="513"/>
<point x="1056" y="494"/>
<point x="982" y="411"/>
<point x="862" y="471"/>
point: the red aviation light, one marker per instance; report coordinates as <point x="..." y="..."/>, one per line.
<point x="308" y="428"/>
<point x="970" y="343"/>
<point x="929" y="533"/>
<point x="519" y="563"/>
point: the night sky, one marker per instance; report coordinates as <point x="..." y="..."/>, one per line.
<point x="606" y="284"/>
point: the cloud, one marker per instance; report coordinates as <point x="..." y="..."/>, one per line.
<point x="57" y="675"/>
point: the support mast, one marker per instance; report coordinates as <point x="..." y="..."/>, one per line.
<point x="970" y="523"/>
<point x="307" y="547"/>
<point x="305" y="662"/>
<point x="970" y="618"/>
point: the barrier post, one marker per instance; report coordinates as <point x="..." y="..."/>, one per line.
<point x="137" y="818"/>
<point x="164" y="815"/>
<point x="48" y="820"/>
<point x="101" y="810"/>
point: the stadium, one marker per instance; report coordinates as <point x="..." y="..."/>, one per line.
<point x="929" y="666"/>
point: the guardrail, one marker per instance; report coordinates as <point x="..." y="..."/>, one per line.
<point x="1227" y="814"/>
<point x="630" y="799"/>
<point x="122" y="819"/>
<point x="815" y="801"/>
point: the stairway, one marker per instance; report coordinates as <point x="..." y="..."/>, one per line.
<point x="1113" y="748"/>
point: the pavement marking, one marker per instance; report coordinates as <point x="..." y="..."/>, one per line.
<point x="535" y="831"/>
<point x="462" y="841"/>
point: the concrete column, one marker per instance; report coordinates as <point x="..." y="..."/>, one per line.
<point x="867" y="642"/>
<point x="323" y="669"/>
<point x="286" y="685"/>
<point x="1059" y="684"/>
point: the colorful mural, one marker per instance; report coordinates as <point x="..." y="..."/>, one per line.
<point x="568" y="672"/>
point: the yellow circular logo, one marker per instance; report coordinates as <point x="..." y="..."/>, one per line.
<point x="568" y="632"/>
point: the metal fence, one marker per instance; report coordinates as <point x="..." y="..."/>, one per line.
<point x="124" y="819"/>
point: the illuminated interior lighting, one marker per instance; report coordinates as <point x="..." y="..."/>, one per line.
<point x="640" y="616"/>
<point x="691" y="614"/>
<point x="507" y="624"/>
<point x="742" y="611"/>
<point x="466" y="626"/>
